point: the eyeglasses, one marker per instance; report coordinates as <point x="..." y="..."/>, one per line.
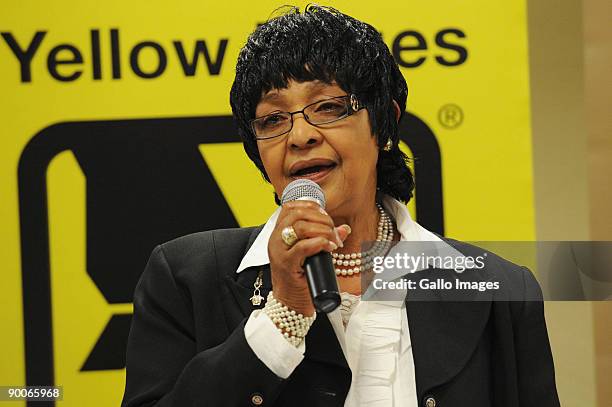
<point x="322" y="112"/>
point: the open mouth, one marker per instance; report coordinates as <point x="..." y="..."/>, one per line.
<point x="314" y="172"/>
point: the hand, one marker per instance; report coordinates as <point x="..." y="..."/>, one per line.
<point x="316" y="232"/>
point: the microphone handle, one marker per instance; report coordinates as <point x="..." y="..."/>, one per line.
<point x="322" y="282"/>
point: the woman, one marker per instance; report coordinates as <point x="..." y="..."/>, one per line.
<point x="317" y="95"/>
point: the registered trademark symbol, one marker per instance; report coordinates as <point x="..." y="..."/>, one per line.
<point x="450" y="116"/>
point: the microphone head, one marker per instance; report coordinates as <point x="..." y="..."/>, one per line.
<point x="303" y="189"/>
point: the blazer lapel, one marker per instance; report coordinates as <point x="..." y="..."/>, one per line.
<point x="444" y="329"/>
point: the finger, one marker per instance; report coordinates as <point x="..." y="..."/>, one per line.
<point x="305" y="230"/>
<point x="309" y="247"/>
<point x="305" y="214"/>
<point x="301" y="203"/>
<point x="295" y="205"/>
<point x="343" y="231"/>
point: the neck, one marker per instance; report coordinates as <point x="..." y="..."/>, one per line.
<point x="364" y="226"/>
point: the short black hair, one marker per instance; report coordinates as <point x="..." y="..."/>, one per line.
<point x="326" y="45"/>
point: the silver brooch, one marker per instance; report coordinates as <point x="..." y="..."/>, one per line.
<point x="256" y="299"/>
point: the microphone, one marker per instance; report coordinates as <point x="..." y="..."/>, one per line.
<point x="319" y="268"/>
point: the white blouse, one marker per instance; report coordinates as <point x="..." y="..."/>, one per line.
<point x="374" y="335"/>
<point x="376" y="344"/>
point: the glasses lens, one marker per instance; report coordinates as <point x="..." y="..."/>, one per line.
<point x="327" y="111"/>
<point x="272" y="125"/>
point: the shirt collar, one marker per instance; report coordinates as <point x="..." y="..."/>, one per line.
<point x="408" y="229"/>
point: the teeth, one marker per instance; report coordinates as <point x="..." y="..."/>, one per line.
<point x="311" y="170"/>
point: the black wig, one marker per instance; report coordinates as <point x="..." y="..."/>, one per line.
<point x="326" y="45"/>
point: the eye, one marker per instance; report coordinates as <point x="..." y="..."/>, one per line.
<point x="272" y="120"/>
<point x="330" y="107"/>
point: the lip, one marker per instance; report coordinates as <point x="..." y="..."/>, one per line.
<point x="317" y="176"/>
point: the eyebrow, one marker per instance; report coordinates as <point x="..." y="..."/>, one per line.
<point x="312" y="88"/>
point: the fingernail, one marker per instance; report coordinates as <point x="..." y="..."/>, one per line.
<point x="332" y="246"/>
<point x="348" y="228"/>
<point x="338" y="238"/>
<point x="322" y="211"/>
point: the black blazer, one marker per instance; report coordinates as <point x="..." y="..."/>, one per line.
<point x="187" y="346"/>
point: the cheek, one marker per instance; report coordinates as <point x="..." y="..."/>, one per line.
<point x="359" y="162"/>
<point x="272" y="159"/>
<point x="365" y="153"/>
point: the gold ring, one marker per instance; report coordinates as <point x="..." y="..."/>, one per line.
<point x="289" y="236"/>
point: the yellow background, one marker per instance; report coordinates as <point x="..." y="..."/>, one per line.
<point x="486" y="162"/>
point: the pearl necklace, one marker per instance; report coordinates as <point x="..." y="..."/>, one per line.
<point x="360" y="261"/>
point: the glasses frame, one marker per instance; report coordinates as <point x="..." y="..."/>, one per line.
<point x="352" y="105"/>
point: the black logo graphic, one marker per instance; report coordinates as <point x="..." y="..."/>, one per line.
<point x="146" y="183"/>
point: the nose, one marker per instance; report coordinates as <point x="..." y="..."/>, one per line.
<point x="303" y="134"/>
